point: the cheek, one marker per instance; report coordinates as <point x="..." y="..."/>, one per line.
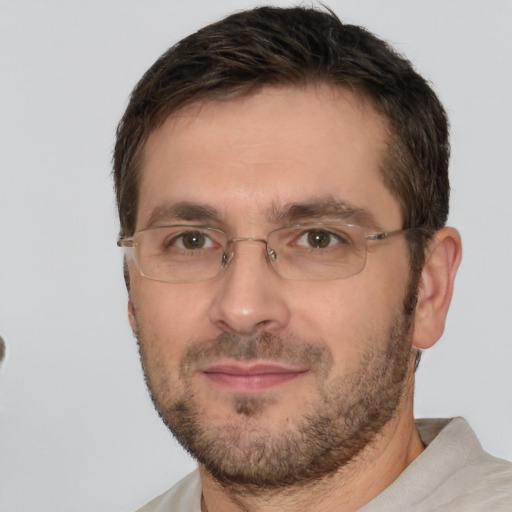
<point x="350" y="316"/>
<point x="331" y="312"/>
<point x="169" y="316"/>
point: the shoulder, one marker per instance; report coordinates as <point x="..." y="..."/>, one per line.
<point x="453" y="474"/>
<point x="472" y="479"/>
<point x="185" y="496"/>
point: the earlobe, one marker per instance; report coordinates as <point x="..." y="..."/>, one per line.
<point x="442" y="260"/>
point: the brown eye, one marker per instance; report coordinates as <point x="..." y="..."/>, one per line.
<point x="192" y="241"/>
<point x="319" y="239"/>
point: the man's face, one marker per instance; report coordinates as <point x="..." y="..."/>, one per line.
<point x="270" y="381"/>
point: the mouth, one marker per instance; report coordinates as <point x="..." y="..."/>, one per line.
<point x="250" y="378"/>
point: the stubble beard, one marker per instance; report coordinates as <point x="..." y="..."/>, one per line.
<point x="349" y="411"/>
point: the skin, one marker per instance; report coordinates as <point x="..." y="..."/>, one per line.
<point x="246" y="158"/>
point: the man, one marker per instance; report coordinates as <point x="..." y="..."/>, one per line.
<point x="283" y="192"/>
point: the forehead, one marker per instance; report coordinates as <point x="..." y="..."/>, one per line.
<point x="280" y="146"/>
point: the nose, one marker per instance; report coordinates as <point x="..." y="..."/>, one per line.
<point x="250" y="296"/>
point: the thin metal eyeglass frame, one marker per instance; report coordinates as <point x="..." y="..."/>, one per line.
<point x="128" y="242"/>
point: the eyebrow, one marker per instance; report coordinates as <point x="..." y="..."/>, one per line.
<point x="326" y="208"/>
<point x="183" y="210"/>
<point x="321" y="209"/>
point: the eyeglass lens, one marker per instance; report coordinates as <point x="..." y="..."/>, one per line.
<point x="302" y="252"/>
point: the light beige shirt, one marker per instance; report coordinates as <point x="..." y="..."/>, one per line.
<point x="453" y="474"/>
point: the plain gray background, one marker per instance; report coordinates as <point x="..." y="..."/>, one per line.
<point x="77" y="429"/>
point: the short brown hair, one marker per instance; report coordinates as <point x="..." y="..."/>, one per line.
<point x="270" y="46"/>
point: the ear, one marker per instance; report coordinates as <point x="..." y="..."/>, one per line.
<point x="442" y="260"/>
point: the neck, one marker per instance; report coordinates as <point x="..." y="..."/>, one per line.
<point x="351" y="487"/>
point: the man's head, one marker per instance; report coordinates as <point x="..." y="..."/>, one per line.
<point x="273" y="369"/>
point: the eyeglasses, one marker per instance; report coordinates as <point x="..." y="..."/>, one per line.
<point x="303" y="252"/>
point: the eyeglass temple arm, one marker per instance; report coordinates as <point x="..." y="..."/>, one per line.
<point x="387" y="234"/>
<point x="125" y="241"/>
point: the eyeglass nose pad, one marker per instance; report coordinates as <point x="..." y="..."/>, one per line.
<point x="272" y="256"/>
<point x="227" y="257"/>
<point x="229" y="253"/>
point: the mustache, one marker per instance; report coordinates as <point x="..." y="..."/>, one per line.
<point x="314" y="356"/>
